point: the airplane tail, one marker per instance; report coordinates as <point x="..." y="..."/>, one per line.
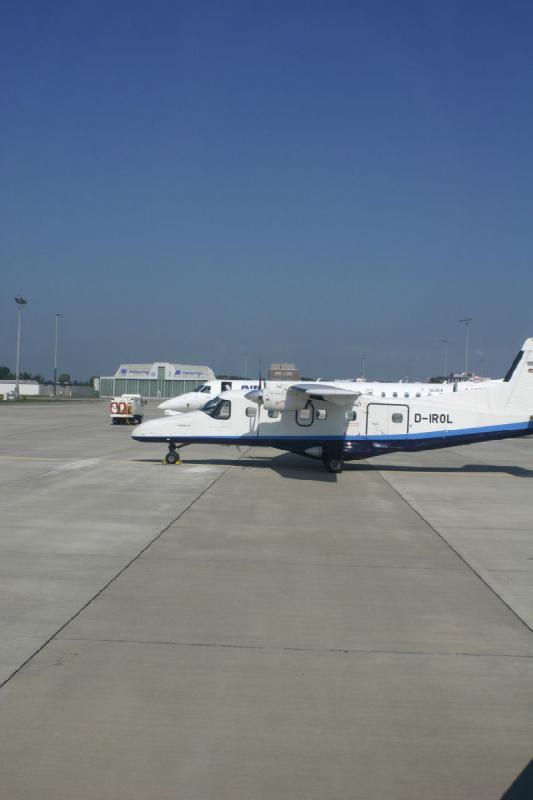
<point x="520" y="380"/>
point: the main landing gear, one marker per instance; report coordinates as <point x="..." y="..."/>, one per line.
<point x="334" y="465"/>
<point x="333" y="462"/>
<point x="173" y="456"/>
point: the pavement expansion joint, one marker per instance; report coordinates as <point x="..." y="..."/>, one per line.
<point x="119" y="573"/>
<point x="321" y="564"/>
<point x="297" y="648"/>
<point x="475" y="570"/>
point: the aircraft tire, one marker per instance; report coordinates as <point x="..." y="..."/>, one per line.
<point x="171" y="458"/>
<point x="334" y="465"/>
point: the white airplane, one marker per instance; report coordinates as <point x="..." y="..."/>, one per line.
<point x="191" y="401"/>
<point x="335" y="424"/>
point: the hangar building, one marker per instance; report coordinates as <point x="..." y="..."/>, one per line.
<point x="158" y="380"/>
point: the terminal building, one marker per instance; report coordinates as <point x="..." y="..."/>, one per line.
<point x="158" y="380"/>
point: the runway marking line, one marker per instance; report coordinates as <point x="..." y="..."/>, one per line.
<point x="32" y="458"/>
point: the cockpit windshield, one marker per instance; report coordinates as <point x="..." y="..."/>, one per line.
<point x="211" y="404"/>
<point x="218" y="408"/>
<point x="204" y="389"/>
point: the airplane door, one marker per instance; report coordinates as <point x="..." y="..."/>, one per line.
<point x="384" y="419"/>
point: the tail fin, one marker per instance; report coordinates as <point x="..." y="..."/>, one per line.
<point x="520" y="380"/>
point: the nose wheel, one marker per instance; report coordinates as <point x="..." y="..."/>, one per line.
<point x="173" y="456"/>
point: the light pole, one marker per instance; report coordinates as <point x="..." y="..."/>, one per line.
<point x="363" y="359"/>
<point x="56" y="341"/>
<point x="445" y="343"/>
<point x="245" y="365"/>
<point x="467" y="321"/>
<point x="20" y="301"/>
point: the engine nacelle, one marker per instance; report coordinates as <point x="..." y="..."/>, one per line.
<point x="277" y="397"/>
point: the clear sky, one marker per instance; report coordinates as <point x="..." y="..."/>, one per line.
<point x="301" y="181"/>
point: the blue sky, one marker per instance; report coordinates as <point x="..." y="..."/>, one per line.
<point x="301" y="181"/>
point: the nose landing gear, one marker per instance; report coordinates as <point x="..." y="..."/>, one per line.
<point x="173" y="456"/>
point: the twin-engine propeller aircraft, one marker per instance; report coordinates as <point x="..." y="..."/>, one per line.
<point x="335" y="424"/>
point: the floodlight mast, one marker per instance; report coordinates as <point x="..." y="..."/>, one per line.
<point x="20" y="301"/>
<point x="467" y="321"/>
<point x="55" y="353"/>
<point x="445" y="343"/>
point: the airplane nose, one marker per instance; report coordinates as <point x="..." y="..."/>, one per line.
<point x="144" y="430"/>
<point x="165" y="404"/>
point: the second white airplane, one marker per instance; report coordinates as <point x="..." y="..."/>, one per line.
<point x="197" y="399"/>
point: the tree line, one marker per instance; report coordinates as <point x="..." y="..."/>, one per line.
<point x="6" y="375"/>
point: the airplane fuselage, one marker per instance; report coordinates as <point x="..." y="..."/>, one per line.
<point x="368" y="427"/>
<point x="335" y="423"/>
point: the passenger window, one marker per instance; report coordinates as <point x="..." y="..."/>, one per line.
<point x="251" y="411"/>
<point x="418" y="394"/>
<point x="383" y="394"/>
<point x="305" y="416"/>
<point x="273" y="414"/>
<point x="397" y="417"/>
<point x="395" y="394"/>
<point x="321" y="413"/>
<point x="406" y="394"/>
<point x="223" y="410"/>
<point x="350" y="415"/>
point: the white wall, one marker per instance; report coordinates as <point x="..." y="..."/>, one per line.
<point x="28" y="389"/>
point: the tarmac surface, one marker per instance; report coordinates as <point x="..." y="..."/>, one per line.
<point x="246" y="626"/>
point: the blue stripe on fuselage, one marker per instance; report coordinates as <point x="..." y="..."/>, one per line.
<point x="511" y="426"/>
<point x="404" y="441"/>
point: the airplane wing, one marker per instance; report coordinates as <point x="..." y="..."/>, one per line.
<point x="326" y="391"/>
